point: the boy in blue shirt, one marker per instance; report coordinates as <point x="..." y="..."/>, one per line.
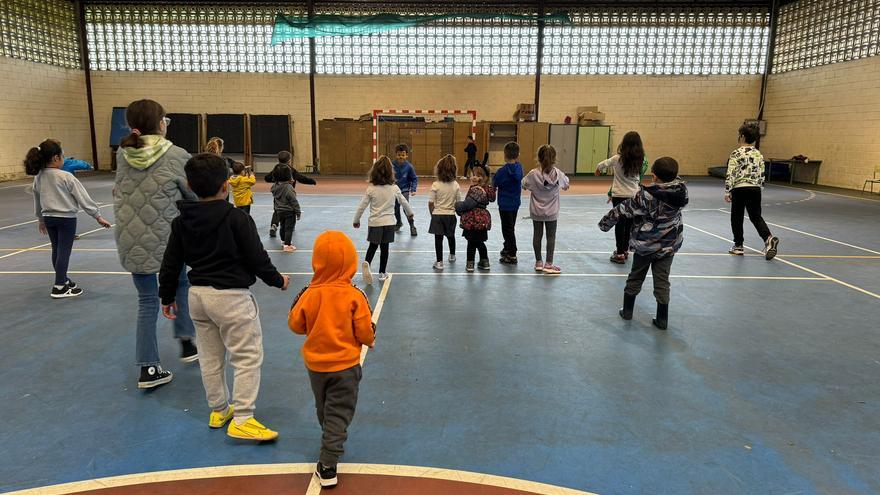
<point x="405" y="177"/>
<point x="508" y="182"/>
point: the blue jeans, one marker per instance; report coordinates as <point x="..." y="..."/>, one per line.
<point x="147" y="284"/>
<point x="61" y="233"/>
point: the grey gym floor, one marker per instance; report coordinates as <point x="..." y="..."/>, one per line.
<point x="766" y="381"/>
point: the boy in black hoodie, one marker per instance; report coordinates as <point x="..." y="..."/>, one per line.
<point x="221" y="245"/>
<point x="656" y="235"/>
<point x="284" y="162"/>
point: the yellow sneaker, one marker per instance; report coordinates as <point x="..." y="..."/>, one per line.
<point x="219" y="420"/>
<point x="251" y="430"/>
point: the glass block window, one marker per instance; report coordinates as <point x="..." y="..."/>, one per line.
<point x="191" y="38"/>
<point x="41" y="31"/>
<point x="659" y="41"/>
<point x="459" y="46"/>
<point x="810" y="33"/>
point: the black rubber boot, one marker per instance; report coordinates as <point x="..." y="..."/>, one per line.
<point x="626" y="312"/>
<point x="662" y="316"/>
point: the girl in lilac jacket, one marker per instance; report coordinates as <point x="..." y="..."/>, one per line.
<point x="545" y="183"/>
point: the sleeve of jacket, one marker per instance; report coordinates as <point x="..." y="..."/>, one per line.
<point x="303" y="179"/>
<point x="361" y="207"/>
<point x="564" y="183"/>
<point x="732" y="164"/>
<point x="38" y="207"/>
<point x="249" y="180"/>
<point x="172" y="264"/>
<point x="500" y="177"/>
<point x="527" y="182"/>
<point x="82" y="196"/>
<point x="630" y="208"/>
<point x="469" y="203"/>
<point x="362" y="320"/>
<point x="604" y="164"/>
<point x="297" y="319"/>
<point x="270" y="177"/>
<point x="182" y="185"/>
<point x="291" y="199"/>
<point x="255" y="256"/>
<point x="414" y="179"/>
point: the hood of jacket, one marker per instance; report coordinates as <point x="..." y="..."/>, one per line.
<point x="334" y="259"/>
<point x="153" y="149"/>
<point x="548" y="181"/>
<point x="203" y="218"/>
<point x="673" y="193"/>
<point x="278" y="189"/>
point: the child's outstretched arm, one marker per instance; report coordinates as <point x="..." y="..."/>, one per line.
<point x="404" y="203"/>
<point x="365" y="201"/>
<point x="604" y="164"/>
<point x="564" y="183"/>
<point x="462" y="207"/>
<point x="303" y="178"/>
<point x="630" y="208"/>
<point x="414" y="182"/>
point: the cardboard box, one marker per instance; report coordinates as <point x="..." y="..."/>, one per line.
<point x="589" y="115"/>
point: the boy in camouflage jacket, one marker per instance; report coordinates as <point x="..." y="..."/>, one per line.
<point x="656" y="235"/>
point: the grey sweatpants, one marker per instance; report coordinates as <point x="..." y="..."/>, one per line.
<point x="228" y="326"/>
<point x="659" y="270"/>
<point x="336" y="396"/>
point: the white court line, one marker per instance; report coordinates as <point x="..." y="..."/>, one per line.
<point x="816" y="236"/>
<point x="377" y="311"/>
<point x="824" y="192"/>
<point x="299" y="468"/>
<point x="49" y="243"/>
<point x="820" y="278"/>
<point x="35" y="221"/>
<point x="782" y="259"/>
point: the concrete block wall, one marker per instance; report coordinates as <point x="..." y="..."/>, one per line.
<point x="38" y="101"/>
<point x="829" y="113"/>
<point x="693" y="119"/>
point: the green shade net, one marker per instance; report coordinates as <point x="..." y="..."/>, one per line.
<point x="287" y="28"/>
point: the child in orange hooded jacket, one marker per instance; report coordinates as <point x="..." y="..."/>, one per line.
<point x="336" y="318"/>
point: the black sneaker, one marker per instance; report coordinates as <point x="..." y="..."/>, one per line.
<point x="326" y="475"/>
<point x="65" y="291"/>
<point x="71" y="284"/>
<point x="771" y="249"/>
<point x="512" y="260"/>
<point x="153" y="376"/>
<point x="413" y="232"/>
<point x="273" y="229"/>
<point x="398" y="226"/>
<point x="188" y="351"/>
<point x="737" y="251"/>
<point x="483" y="265"/>
<point x="469" y="267"/>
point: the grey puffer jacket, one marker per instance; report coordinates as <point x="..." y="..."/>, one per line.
<point x="145" y="202"/>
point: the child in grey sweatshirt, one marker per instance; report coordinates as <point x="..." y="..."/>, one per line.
<point x="58" y="196"/>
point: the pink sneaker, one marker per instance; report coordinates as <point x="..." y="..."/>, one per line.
<point x="289" y="248"/>
<point x="539" y="266"/>
<point x="552" y="269"/>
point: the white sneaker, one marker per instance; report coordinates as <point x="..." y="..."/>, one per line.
<point x="366" y="273"/>
<point x="438" y="266"/>
<point x="452" y="258"/>
<point x="383" y="277"/>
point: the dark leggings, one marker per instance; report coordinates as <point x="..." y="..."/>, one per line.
<point x="744" y="199"/>
<point x="622" y="229"/>
<point x="473" y="247"/>
<point x="288" y="224"/>
<point x="539" y="234"/>
<point x="383" y="256"/>
<point x="438" y="245"/>
<point x="61" y="232"/>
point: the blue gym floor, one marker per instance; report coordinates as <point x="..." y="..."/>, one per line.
<point x="767" y="381"/>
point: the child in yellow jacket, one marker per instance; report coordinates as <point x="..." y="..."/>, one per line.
<point x="336" y="318"/>
<point x="242" y="181"/>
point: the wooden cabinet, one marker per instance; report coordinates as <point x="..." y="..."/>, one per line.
<point x="530" y="136"/>
<point x="345" y="147"/>
<point x="592" y="148"/>
<point x="358" y="148"/>
<point x="331" y="147"/>
<point x="564" y="137"/>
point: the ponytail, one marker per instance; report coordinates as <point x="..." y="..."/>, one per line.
<point x="143" y="117"/>
<point x="546" y="157"/>
<point x="37" y="158"/>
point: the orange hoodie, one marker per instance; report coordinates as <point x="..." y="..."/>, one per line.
<point x="334" y="315"/>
